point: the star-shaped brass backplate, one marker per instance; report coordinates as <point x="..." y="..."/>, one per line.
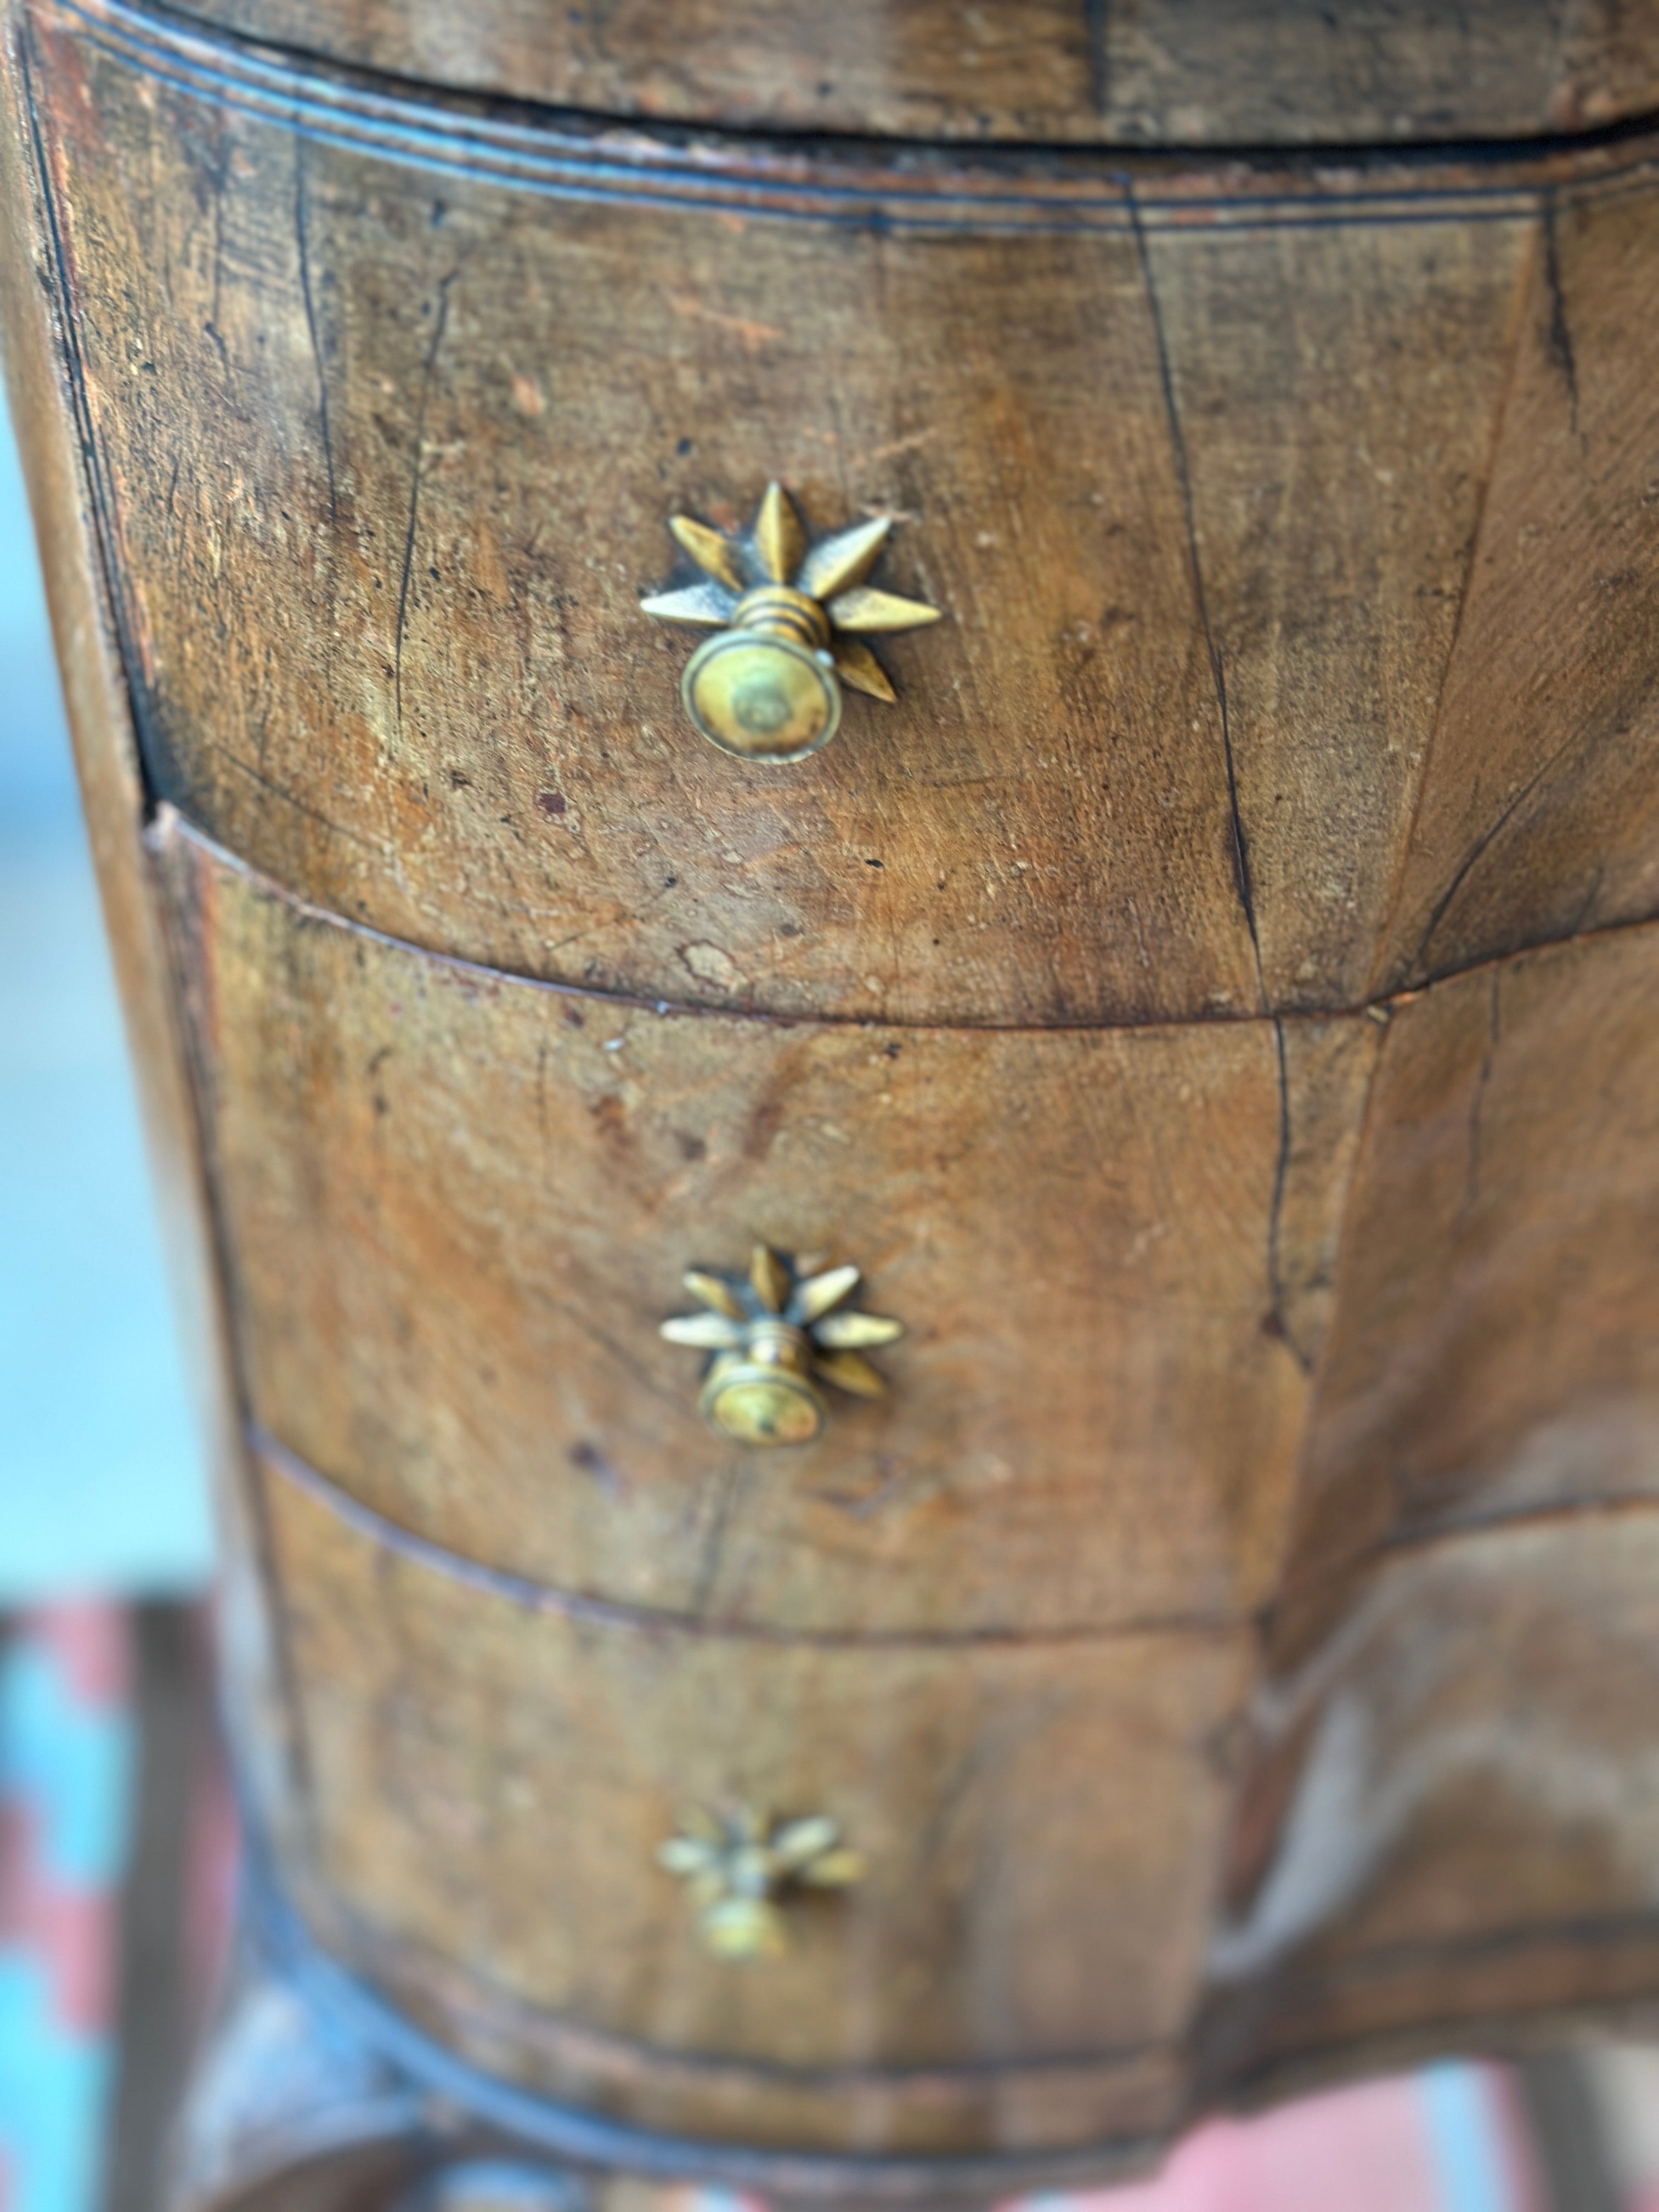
<point x="734" y="1866"/>
<point x="775" y="1335"/>
<point x="792" y="618"/>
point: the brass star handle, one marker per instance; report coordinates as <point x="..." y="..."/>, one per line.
<point x="735" y="1865"/>
<point x="790" y="617"/>
<point x="773" y="1334"/>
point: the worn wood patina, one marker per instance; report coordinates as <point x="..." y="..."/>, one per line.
<point x="1210" y="1006"/>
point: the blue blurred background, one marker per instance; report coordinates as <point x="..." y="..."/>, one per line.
<point x="101" y="1476"/>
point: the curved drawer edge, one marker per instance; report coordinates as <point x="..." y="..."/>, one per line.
<point x="534" y="1596"/>
<point x="348" y="1993"/>
<point x="978" y="184"/>
<point x="1055" y="73"/>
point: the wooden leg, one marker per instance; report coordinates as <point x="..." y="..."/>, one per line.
<point x="289" y="2111"/>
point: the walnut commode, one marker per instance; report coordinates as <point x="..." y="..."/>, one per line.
<point x="1203" y="992"/>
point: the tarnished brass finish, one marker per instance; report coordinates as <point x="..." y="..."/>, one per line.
<point x="735" y="1865"/>
<point x="766" y="698"/>
<point x="768" y="688"/>
<point x="775" y="1335"/>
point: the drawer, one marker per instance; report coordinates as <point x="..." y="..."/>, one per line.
<point x="1133" y="72"/>
<point x="456" y="1208"/>
<point x="1040" y="1824"/>
<point x="1298" y="606"/>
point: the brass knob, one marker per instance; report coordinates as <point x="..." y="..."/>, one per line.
<point x="789" y="616"/>
<point x="775" y="1334"/>
<point x="734" y="1867"/>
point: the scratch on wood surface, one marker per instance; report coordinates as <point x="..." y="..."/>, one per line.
<point x="1477" y="1103"/>
<point x="212" y="325"/>
<point x="1487" y="836"/>
<point x="892" y="1483"/>
<point x="754" y="338"/>
<point x="1239" y="851"/>
<point x="278" y="791"/>
<point x="591" y="1461"/>
<point x="438" y="329"/>
<point x="1000" y="1736"/>
<point x="1494" y="446"/>
<point x="1299" y="1351"/>
<point x="301" y="229"/>
<point x="729" y="1484"/>
<point x="1560" y="330"/>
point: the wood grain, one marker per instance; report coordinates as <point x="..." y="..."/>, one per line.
<point x="1134" y="72"/>
<point x="1538" y="808"/>
<point x="1297" y="72"/>
<point x="1095" y="1414"/>
<point x="389" y="451"/>
<point x="1338" y="445"/>
<point x="461" y="537"/>
<point x="494" y="1787"/>
<point x="1494" y="1353"/>
<point x="1212" y="1006"/>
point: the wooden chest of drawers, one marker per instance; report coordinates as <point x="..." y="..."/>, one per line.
<point x="1211" y="1003"/>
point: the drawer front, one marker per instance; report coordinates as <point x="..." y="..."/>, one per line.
<point x="1134" y="73"/>
<point x="1298" y="606"/>
<point x="457" y="1208"/>
<point x="1040" y="1825"/>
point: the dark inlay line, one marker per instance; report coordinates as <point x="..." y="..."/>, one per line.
<point x="439" y="130"/>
